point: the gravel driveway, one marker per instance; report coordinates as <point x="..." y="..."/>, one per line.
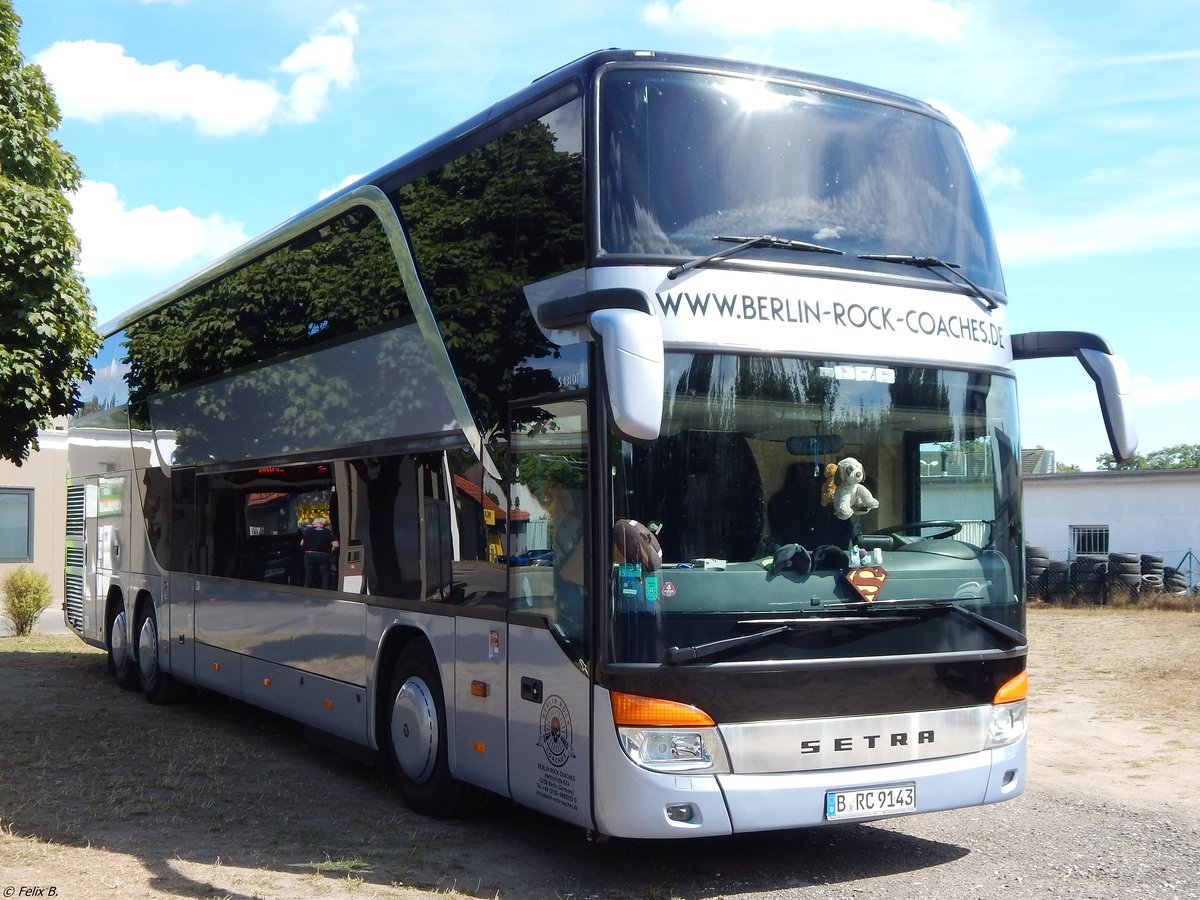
<point x="103" y="795"/>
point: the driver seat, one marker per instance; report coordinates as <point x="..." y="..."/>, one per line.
<point x="796" y="516"/>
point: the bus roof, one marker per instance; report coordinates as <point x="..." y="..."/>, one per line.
<point x="567" y="79"/>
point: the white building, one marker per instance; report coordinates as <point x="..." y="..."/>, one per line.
<point x="1143" y="511"/>
<point x="33" y="501"/>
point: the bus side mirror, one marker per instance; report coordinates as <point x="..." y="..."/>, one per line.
<point x="631" y="353"/>
<point x="1108" y="370"/>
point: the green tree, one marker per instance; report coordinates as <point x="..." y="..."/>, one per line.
<point x="1178" y="456"/>
<point x="45" y="315"/>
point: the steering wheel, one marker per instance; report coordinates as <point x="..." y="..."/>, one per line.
<point x="949" y="528"/>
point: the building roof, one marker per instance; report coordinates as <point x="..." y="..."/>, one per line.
<point x="474" y="491"/>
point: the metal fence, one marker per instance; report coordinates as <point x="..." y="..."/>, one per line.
<point x="1066" y="577"/>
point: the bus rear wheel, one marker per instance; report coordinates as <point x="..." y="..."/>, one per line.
<point x="414" y="740"/>
<point x="120" y="653"/>
<point x="157" y="685"/>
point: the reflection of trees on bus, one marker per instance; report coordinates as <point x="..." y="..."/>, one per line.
<point x="314" y="345"/>
<point x="482" y="227"/>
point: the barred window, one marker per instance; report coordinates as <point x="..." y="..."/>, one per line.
<point x="1089" y="539"/>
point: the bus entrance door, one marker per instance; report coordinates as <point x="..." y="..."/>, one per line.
<point x="549" y="728"/>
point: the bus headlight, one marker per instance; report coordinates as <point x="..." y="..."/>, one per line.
<point x="668" y="736"/>
<point x="697" y="751"/>
<point x="1008" y="724"/>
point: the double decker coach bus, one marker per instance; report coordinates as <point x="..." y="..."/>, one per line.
<point x="663" y="427"/>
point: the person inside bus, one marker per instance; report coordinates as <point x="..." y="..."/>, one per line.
<point x="319" y="544"/>
<point x="566" y="511"/>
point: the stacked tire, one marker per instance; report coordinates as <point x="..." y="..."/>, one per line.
<point x="1175" y="581"/>
<point x="1057" y="582"/>
<point x="1088" y="579"/>
<point x="1037" y="559"/>
<point x="1124" y="577"/>
<point x="1152" y="574"/>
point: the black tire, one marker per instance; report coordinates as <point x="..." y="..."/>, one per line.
<point x="413" y="739"/>
<point x="121" y="663"/>
<point x="157" y="685"/>
<point x="1033" y="554"/>
<point x="1152" y="565"/>
<point x="1056" y="578"/>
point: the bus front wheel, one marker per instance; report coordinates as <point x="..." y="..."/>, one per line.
<point x="414" y="739"/>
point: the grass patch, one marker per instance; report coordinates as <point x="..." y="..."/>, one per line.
<point x="352" y="866"/>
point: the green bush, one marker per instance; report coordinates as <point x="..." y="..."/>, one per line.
<point x="26" y="594"/>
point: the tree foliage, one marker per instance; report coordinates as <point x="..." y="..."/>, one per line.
<point x="45" y="315"/>
<point x="1178" y="456"/>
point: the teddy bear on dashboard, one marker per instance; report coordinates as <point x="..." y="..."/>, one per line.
<point x="845" y="491"/>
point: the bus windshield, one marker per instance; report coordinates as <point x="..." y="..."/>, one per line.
<point x="758" y="520"/>
<point x="688" y="157"/>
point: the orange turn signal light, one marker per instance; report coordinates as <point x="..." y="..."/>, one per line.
<point x="631" y="709"/>
<point x="1016" y="688"/>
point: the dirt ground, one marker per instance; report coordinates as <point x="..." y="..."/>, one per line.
<point x="1115" y="700"/>
<point x="104" y="795"/>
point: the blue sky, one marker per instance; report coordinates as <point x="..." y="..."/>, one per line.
<point x="202" y="123"/>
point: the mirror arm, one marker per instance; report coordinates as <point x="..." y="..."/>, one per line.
<point x="1107" y="370"/>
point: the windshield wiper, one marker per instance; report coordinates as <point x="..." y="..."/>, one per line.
<point x="950" y="604"/>
<point x="933" y="262"/>
<point x="712" y="648"/>
<point x="745" y="243"/>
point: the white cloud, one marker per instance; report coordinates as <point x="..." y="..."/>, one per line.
<point x="94" y="81"/>
<point x="117" y="239"/>
<point x="924" y="18"/>
<point x="345" y="182"/>
<point x="325" y="60"/>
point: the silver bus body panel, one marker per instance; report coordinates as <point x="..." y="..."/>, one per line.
<point x="910" y="320"/>
<point x="479" y="751"/>
<point x="823" y="744"/>
<point x="797" y="799"/>
<point x="738" y="802"/>
<point x="549" y="726"/>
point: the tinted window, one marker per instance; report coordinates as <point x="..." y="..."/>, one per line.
<point x="335" y="280"/>
<point x="686" y="156"/>
<point x="483" y="226"/>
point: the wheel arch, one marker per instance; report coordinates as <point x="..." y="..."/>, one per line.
<point x="114" y="602"/>
<point x="142" y="601"/>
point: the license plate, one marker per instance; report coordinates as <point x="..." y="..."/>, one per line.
<point x="864" y="803"/>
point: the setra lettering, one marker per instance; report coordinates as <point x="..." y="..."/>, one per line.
<point x="848" y="743"/>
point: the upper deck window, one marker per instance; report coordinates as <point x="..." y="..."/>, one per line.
<point x="686" y="156"/>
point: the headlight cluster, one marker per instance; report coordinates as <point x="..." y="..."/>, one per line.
<point x="695" y="751"/>
<point x="1008" y="724"/>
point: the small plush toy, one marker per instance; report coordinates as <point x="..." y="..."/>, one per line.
<point x="830" y="485"/>
<point x="850" y="495"/>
